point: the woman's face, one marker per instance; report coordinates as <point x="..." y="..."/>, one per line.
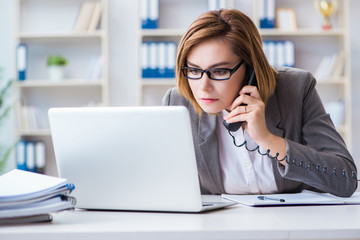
<point x="214" y="96"/>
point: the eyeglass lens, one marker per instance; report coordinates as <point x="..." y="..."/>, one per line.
<point x="212" y="73"/>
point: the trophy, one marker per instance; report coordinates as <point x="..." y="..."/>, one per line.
<point x="326" y="9"/>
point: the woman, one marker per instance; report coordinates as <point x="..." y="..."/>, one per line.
<point x="283" y="115"/>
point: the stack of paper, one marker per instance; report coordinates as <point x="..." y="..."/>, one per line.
<point x="31" y="197"/>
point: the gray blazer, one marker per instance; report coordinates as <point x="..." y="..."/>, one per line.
<point x="294" y="112"/>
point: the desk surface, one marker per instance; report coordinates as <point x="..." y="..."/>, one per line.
<point x="235" y="222"/>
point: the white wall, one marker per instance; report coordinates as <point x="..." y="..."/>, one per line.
<point x="123" y="68"/>
<point x="123" y="41"/>
<point x="6" y="137"/>
<point x="355" y="79"/>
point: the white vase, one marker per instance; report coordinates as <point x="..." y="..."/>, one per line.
<point x="55" y="73"/>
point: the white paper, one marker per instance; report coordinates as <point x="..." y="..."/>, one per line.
<point x="303" y="198"/>
<point x="18" y="184"/>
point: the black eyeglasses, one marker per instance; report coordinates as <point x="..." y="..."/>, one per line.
<point x="218" y="74"/>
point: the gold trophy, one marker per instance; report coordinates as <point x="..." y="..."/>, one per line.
<point x="326" y="8"/>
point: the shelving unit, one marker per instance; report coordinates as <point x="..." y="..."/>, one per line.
<point x="46" y="27"/>
<point x="311" y="45"/>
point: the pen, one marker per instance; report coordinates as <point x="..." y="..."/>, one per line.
<point x="269" y="198"/>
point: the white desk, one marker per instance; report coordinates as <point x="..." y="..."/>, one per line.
<point x="236" y="222"/>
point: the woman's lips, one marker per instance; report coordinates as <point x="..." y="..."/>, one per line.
<point x="208" y="100"/>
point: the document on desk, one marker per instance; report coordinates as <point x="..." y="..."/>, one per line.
<point x="19" y="186"/>
<point x="303" y="198"/>
<point x="31" y="197"/>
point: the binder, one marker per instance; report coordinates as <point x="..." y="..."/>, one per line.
<point x="40" y="157"/>
<point x="271" y="57"/>
<point x="289" y="54"/>
<point x="161" y="52"/>
<point x="280" y="53"/>
<point x="149" y="14"/>
<point x="222" y="4"/>
<point x="170" y="59"/>
<point x="30" y="156"/>
<point x="145" y="66"/>
<point x="144" y="4"/>
<point x="212" y="5"/>
<point x="216" y="4"/>
<point x="153" y="14"/>
<point x="158" y="59"/>
<point x="20" y="155"/>
<point x="267" y="14"/>
<point x="153" y="63"/>
<point x="21" y="63"/>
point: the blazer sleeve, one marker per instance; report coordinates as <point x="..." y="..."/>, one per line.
<point x="317" y="154"/>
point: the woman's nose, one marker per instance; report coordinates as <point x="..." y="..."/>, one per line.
<point x="205" y="83"/>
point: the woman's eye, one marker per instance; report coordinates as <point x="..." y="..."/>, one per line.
<point x="219" y="72"/>
<point x="194" y="71"/>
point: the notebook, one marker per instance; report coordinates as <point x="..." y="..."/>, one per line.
<point x="129" y="158"/>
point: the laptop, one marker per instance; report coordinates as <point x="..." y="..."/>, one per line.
<point x="129" y="158"/>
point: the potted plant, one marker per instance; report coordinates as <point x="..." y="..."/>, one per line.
<point x="56" y="64"/>
<point x="5" y="111"/>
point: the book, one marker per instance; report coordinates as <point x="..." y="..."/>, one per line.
<point x="326" y="66"/>
<point x="304" y="198"/>
<point x="94" y="71"/>
<point x="84" y="16"/>
<point x="95" y="17"/>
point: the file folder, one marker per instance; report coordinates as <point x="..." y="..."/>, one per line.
<point x="21" y="63"/>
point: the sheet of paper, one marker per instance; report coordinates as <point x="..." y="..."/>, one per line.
<point x="18" y="184"/>
<point x="303" y="198"/>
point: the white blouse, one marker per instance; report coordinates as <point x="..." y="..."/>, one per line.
<point x="243" y="171"/>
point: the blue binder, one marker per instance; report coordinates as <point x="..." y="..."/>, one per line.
<point x="20" y="155"/>
<point x="267" y="14"/>
<point x="149" y="14"/>
<point x="21" y="61"/>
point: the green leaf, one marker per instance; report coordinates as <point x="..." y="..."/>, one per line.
<point x="5" y="158"/>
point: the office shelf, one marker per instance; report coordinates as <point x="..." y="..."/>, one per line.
<point x="38" y="26"/>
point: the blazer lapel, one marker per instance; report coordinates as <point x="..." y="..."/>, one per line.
<point x="209" y="162"/>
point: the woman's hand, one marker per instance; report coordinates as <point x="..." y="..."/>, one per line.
<point x="255" y="123"/>
<point x="253" y="113"/>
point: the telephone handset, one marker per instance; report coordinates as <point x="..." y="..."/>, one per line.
<point x="233" y="127"/>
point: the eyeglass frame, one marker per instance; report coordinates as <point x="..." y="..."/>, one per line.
<point x="207" y="71"/>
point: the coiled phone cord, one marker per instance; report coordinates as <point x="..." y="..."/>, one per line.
<point x="309" y="166"/>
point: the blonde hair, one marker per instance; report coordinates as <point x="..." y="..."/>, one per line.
<point x="240" y="32"/>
